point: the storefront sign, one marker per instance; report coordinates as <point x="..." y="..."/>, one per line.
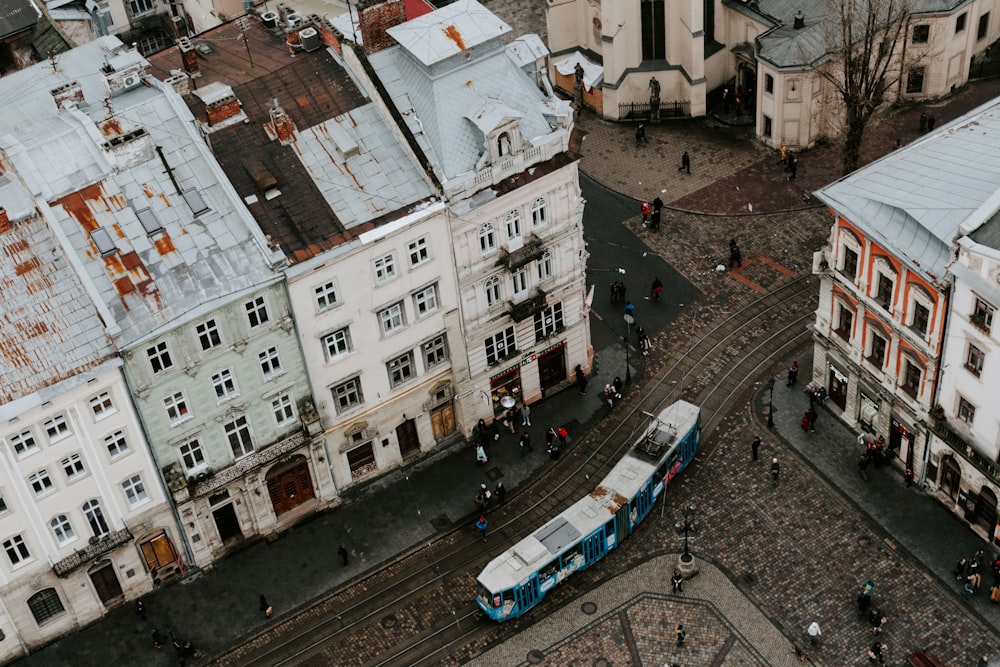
<point x="535" y="355"/>
<point x="837" y="374"/>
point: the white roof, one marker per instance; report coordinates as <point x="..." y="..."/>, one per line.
<point x="447" y="31"/>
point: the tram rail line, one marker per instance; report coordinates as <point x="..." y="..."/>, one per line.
<point x="385" y="606"/>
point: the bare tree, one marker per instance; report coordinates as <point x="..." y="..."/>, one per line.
<point x="865" y="57"/>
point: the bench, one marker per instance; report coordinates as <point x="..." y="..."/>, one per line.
<point x="924" y="659"/>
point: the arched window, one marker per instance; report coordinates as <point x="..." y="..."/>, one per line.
<point x="492" y="291"/>
<point x="503" y="144"/>
<point x="487" y="238"/>
<point x="45" y="604"/>
<point x="653" y="30"/>
<point x="62" y="529"/>
<point x="538" y="212"/>
<point x="95" y="517"/>
<point x="513" y="221"/>
<point x="545" y="266"/>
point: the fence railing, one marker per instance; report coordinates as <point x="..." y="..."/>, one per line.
<point x="646" y="111"/>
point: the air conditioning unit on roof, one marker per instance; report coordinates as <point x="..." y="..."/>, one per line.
<point x="310" y="38"/>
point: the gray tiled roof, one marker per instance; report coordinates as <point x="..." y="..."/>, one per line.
<point x="149" y="280"/>
<point x="443" y="102"/>
<point x="917" y="199"/>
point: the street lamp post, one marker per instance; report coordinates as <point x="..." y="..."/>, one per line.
<point x="690" y="524"/>
<point x="770" y="403"/>
<point x="628" y="332"/>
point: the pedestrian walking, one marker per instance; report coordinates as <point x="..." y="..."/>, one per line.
<point x="629" y="308"/>
<point x="525" y="443"/>
<point x="500" y="493"/>
<point x="754" y="446"/>
<point x="793" y="167"/>
<point x="481" y="454"/>
<point x="725" y="100"/>
<point x="930" y="123"/>
<point x="783" y="158"/>
<point x="775" y="471"/>
<point x="563" y="436"/>
<point x="793" y="374"/>
<point x="645" y="210"/>
<point x="805" y="421"/>
<point x="967" y="589"/>
<point x="677" y="581"/>
<point x="735" y="257"/>
<point x="509" y="418"/>
<point x="812" y="416"/>
<point x="265" y="607"/>
<point x="640" y="134"/>
<point x="877" y="653"/>
<point x="878" y="620"/>
<point x="481" y="525"/>
<point x="908" y="477"/>
<point x="609" y="395"/>
<point x="923" y="122"/>
<point x="814" y="633"/>
<point x="657" y="204"/>
<point x="617" y="385"/>
<point x="550" y="436"/>
<point x="654" y="220"/>
<point x="645" y="344"/>
<point x="680" y="634"/>
<point x="581" y="380"/>
<point x="961" y="569"/>
<point x="342" y="552"/>
<point x="525" y="414"/>
<point x="685" y="163"/>
<point x="656" y="289"/>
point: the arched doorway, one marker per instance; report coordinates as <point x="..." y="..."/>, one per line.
<point x="986" y="510"/>
<point x="951" y="476"/>
<point x="289" y="484"/>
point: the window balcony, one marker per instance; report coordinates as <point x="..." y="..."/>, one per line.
<point x="524" y="309"/>
<point x="989" y="468"/>
<point x="98" y="547"/>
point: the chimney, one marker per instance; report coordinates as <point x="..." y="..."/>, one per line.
<point x="377" y="16"/>
<point x="800" y="20"/>
<point x="282" y="126"/>
<point x="223" y="108"/>
<point x="328" y="35"/>
<point x="4" y="221"/>
<point x="189" y="57"/>
<point x="70" y="92"/>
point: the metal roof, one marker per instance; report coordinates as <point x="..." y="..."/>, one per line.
<point x="917" y="199"/>
<point x="101" y="164"/>
<point x="17" y="16"/>
<point x="460" y="26"/>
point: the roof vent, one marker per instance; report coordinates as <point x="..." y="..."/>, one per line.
<point x="800" y="20"/>
<point x="310" y="38"/>
<point x="71" y="92"/>
<point x="269" y="19"/>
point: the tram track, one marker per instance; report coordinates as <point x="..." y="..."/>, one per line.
<point x="377" y="619"/>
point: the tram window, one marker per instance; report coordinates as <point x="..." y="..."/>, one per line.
<point x="549" y="570"/>
<point x="485" y="595"/>
<point x="574" y="554"/>
<point x="609" y="527"/>
<point x="497" y="601"/>
<point x="662" y="471"/>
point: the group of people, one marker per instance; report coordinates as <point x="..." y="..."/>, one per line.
<point x="878" y="652"/>
<point x="617" y="292"/>
<point x="877" y="453"/>
<point x="651" y="213"/>
<point x="613" y="391"/>
<point x="741" y="100"/>
<point x="790" y="161"/>
<point x="968" y="571"/>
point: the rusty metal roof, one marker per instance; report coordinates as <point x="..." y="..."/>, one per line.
<point x="345" y="169"/>
<point x="134" y="165"/>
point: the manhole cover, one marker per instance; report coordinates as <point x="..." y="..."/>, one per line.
<point x="440" y="522"/>
<point x="588" y="608"/>
<point x="536" y="657"/>
<point x="864" y="540"/>
<point x="388" y="621"/>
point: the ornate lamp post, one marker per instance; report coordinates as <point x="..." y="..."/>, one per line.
<point x="628" y="332"/>
<point x="690" y="524"/>
<point x="770" y="403"/>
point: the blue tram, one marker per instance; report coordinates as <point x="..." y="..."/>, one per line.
<point x="519" y="578"/>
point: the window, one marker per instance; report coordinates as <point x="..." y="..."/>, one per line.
<point x="966" y="411"/>
<point x="135" y="491"/>
<point x="270" y="362"/>
<point x="487" y="238"/>
<point x="974" y="360"/>
<point x="921" y="316"/>
<point x="425" y="301"/>
<point x="845" y="320"/>
<point x="915" y="80"/>
<point x="768" y="84"/>
<point x="348" y="394"/>
<point x="283" y="409"/>
<point x="513" y="222"/>
<point x="150" y="223"/>
<point x="62" y="529"/>
<point x="208" y="334"/>
<point x="520" y="279"/>
<point x="538" y="214"/>
<point x="653" y="24"/>
<point x="418" y="251"/>
<point x="361" y="459"/>
<point x="385" y="269"/>
<point x="911" y="378"/>
<point x="195" y="202"/>
<point x="921" y="33"/>
<point x="56" y="428"/>
<point x="256" y="312"/>
<point x="400" y="369"/>
<point x="960" y="22"/>
<point x="95" y="517"/>
<point x="45" y="604"/>
<point x="177" y="409"/>
<point x="116" y="444"/>
<point x="23" y="443"/>
<point x="548" y="321"/>
<point x="766" y="131"/>
<point x="850" y="267"/>
<point x="192" y="455"/>
<point x="876" y="355"/>
<point x="545" y="267"/>
<point x="73" y="466"/>
<point x="17" y="550"/>
<point x="40" y="482"/>
<point x="391" y="318"/>
<point x="435" y="351"/>
<point x="3" y="504"/>
<point x="326" y="295"/>
<point x="883" y="293"/>
<point x="984" y="26"/>
<point x="500" y="346"/>
<point x="140" y="6"/>
<point x="492" y="291"/>
<point x="337" y="343"/>
<point x="224" y="385"/>
<point x="102" y="405"/>
<point x="159" y="357"/>
<point x="238" y="434"/>
<point x="982" y="315"/>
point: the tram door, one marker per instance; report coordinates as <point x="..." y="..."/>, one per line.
<point x="527" y="594"/>
<point x="593" y="548"/>
<point x="622" y="528"/>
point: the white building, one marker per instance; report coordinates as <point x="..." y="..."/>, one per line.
<point x="84" y="521"/>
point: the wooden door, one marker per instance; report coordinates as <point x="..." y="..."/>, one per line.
<point x="406" y="435"/>
<point x="106" y="583"/>
<point x="289" y="485"/>
<point x="227" y="523"/>
<point x="552" y="368"/>
<point x="443" y="420"/>
<point x="838" y="390"/>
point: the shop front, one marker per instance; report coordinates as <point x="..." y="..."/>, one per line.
<point x="505" y="389"/>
